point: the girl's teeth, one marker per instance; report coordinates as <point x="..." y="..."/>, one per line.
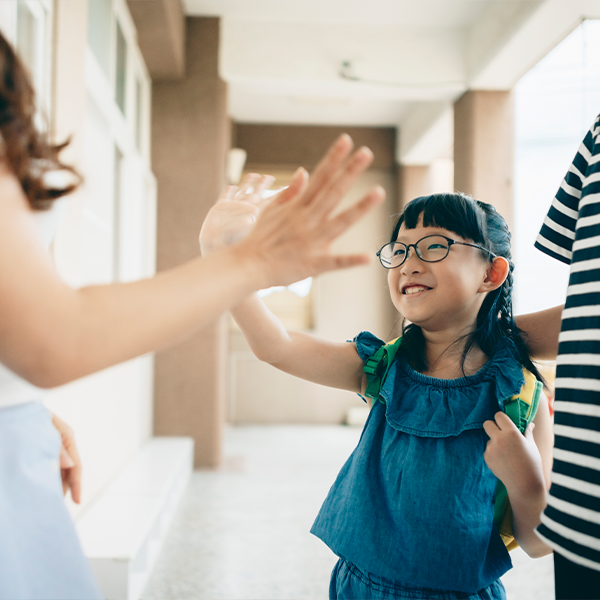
<point x="414" y="290"/>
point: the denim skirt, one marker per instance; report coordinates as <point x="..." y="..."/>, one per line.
<point x="40" y="554"/>
<point x="348" y="582"/>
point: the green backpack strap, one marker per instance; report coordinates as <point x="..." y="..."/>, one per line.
<point x="521" y="409"/>
<point x="377" y="366"/>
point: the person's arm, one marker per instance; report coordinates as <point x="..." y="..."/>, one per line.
<point x="541" y="332"/>
<point x="524" y="464"/>
<point x="300" y="354"/>
<point x="51" y="334"/>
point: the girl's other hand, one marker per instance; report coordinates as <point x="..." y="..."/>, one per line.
<point x="512" y="457"/>
<point x="233" y="216"/>
<point x="70" y="463"/>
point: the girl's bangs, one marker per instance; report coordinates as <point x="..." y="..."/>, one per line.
<point x="454" y="212"/>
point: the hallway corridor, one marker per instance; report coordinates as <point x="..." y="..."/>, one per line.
<point x="242" y="533"/>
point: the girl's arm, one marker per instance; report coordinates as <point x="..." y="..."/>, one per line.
<point x="320" y="361"/>
<point x="300" y="354"/>
<point x="524" y="464"/>
<point x="541" y="332"/>
<point x="51" y="334"/>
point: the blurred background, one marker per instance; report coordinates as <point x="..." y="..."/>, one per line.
<point x="167" y="101"/>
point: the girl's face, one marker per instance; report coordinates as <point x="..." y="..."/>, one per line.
<point x="444" y="295"/>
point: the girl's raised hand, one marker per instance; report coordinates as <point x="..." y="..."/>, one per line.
<point x="235" y="212"/>
<point x="292" y="236"/>
<point x="512" y="457"/>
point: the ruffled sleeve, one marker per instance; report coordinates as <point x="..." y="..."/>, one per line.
<point x="367" y="344"/>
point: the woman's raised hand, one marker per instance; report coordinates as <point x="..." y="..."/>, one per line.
<point x="292" y="233"/>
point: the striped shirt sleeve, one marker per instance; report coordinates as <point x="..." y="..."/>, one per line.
<point x="558" y="231"/>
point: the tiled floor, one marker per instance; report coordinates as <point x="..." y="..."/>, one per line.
<point x="243" y="532"/>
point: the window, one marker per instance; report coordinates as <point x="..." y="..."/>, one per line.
<point x="99" y="32"/>
<point x="555" y="104"/>
<point x="121" y="70"/>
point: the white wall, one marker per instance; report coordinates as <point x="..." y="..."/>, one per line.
<point x="108" y="228"/>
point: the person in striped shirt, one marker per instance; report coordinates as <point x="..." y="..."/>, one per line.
<point x="571" y="233"/>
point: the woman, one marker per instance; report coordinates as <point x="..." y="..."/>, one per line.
<point x="51" y="334"/>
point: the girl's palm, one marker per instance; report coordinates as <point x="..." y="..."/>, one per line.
<point x="233" y="216"/>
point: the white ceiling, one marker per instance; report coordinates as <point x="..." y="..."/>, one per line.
<point x="407" y="61"/>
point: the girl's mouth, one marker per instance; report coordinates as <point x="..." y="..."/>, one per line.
<point x="409" y="290"/>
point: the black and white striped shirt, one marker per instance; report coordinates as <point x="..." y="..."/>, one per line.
<point x="571" y="233"/>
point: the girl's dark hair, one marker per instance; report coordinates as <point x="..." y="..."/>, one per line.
<point x="28" y="153"/>
<point x="482" y="224"/>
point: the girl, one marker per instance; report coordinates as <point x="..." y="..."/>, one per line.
<point x="51" y="334"/>
<point x="411" y="512"/>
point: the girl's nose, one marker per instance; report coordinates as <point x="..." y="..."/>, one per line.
<point x="412" y="264"/>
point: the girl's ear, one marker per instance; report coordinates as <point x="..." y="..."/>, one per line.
<point x="496" y="274"/>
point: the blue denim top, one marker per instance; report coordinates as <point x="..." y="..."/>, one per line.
<point x="414" y="502"/>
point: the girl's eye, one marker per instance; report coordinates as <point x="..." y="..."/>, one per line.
<point x="436" y="247"/>
<point x="399" y="252"/>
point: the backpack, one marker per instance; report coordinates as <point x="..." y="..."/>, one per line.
<point x="520" y="408"/>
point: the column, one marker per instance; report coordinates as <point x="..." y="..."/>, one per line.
<point x="484" y="148"/>
<point x="190" y="138"/>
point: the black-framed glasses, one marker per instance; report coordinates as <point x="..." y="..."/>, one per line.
<point x="431" y="248"/>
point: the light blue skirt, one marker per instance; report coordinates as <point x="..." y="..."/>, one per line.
<point x="40" y="555"/>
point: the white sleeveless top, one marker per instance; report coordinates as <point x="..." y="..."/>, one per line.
<point x="15" y="389"/>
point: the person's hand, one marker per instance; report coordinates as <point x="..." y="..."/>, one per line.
<point x="292" y="235"/>
<point x="233" y="216"/>
<point x="512" y="457"/>
<point x="70" y="463"/>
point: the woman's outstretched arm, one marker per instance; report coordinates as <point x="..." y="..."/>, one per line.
<point x="51" y="334"/>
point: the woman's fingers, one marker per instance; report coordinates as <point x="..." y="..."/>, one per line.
<point x="297" y="187"/>
<point x="328" y="168"/>
<point x="340" y="223"/>
<point x="332" y="191"/>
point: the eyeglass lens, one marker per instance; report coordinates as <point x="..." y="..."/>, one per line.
<point x="432" y="248"/>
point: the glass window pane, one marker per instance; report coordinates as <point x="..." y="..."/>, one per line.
<point x="139" y="107"/>
<point x="99" y="18"/>
<point x="121" y="75"/>
<point x="27" y="42"/>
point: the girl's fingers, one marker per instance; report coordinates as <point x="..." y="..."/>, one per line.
<point x="491" y="428"/>
<point x="228" y="193"/>
<point x="259" y="199"/>
<point x="328" y="168"/>
<point x="264" y="183"/>
<point x="340" y="223"/>
<point x="248" y="184"/>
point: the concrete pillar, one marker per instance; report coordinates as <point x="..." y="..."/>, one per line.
<point x="161" y="36"/>
<point x="413" y="181"/>
<point x="484" y="148"/>
<point x="190" y="138"/>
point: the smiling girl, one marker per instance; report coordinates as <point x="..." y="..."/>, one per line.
<point x="410" y="514"/>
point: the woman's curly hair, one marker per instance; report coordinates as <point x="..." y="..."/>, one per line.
<point x="27" y="151"/>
